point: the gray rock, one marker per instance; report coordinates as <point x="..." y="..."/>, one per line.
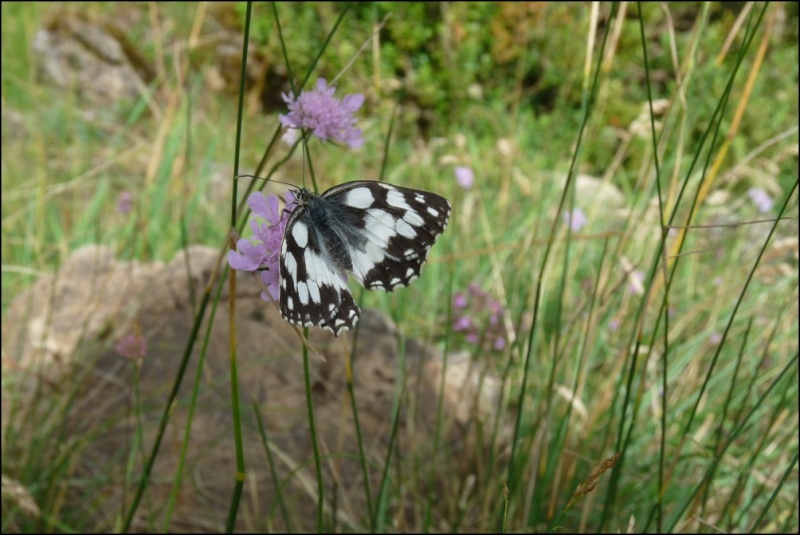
<point x="62" y="332"/>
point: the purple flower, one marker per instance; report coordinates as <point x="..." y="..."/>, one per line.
<point x="636" y="281"/>
<point x="132" y="346"/>
<point x="263" y="252"/>
<point x="326" y="116"/>
<point x="495" y="311"/>
<point x="761" y="199"/>
<point x="462" y="323"/>
<point x="614" y="324"/>
<point x="715" y="338"/>
<point x="125" y="202"/>
<point x="576" y="219"/>
<point x="464" y="176"/>
<point x="271" y="279"/>
<point x="476" y="290"/>
<point x="478" y="318"/>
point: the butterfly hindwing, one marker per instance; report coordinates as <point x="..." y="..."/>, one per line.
<point x="378" y="232"/>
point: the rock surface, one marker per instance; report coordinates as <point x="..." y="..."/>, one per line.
<point x="61" y="334"/>
<point x="92" y="57"/>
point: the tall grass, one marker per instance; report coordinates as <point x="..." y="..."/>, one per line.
<point x="650" y="375"/>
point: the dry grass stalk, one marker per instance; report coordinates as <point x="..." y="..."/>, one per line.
<point x="15" y="491"/>
<point x="594" y="478"/>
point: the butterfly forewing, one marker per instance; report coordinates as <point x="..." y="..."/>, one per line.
<point x="313" y="291"/>
<point x="400" y="227"/>
<point x="380" y="233"/>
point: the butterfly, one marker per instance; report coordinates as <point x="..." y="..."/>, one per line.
<point x="378" y="232"/>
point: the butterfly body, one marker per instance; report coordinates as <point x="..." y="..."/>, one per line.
<point x="378" y="232"/>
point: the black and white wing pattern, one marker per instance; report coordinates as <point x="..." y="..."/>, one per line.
<point x="378" y="232"/>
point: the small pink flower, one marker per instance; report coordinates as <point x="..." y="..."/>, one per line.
<point x="479" y="318"/>
<point x="476" y="290"/>
<point x="132" y="346"/>
<point x="464" y="176"/>
<point x="576" y="219"/>
<point x="125" y="202"/>
<point x="761" y="199"/>
<point x="462" y="323"/>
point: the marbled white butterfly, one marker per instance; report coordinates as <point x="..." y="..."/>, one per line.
<point x="378" y="232"/>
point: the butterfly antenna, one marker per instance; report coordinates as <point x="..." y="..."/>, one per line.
<point x="254" y="177"/>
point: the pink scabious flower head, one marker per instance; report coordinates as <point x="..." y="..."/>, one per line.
<point x="459" y="301"/>
<point x="477" y="317"/>
<point x="462" y="324"/>
<point x="576" y="219"/>
<point x="326" y="116"/>
<point x="262" y="251"/>
<point x="125" y="202"/>
<point x="464" y="176"/>
<point x="132" y="346"/>
<point x="761" y="199"/>
<point x="477" y="291"/>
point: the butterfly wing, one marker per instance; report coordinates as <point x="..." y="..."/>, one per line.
<point x="313" y="291"/>
<point x="397" y="228"/>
